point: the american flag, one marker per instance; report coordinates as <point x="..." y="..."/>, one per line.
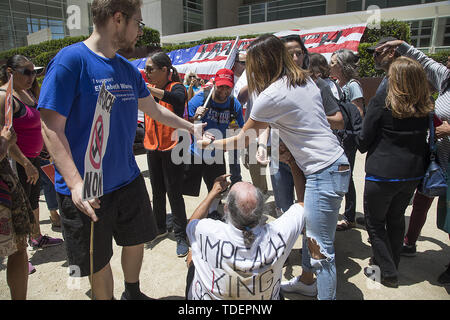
<point x="207" y="59"/>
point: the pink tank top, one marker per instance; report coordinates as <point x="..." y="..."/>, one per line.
<point x="28" y="131"/>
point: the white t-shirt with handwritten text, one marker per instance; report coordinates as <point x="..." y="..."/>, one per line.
<point x="226" y="270"/>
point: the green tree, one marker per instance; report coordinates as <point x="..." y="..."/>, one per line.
<point x="42" y="53"/>
<point x="150" y="38"/>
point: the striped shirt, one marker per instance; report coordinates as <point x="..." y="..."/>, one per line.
<point x="439" y="76"/>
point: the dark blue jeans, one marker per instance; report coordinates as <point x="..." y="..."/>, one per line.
<point x="235" y="166"/>
<point x="49" y="187"/>
<point x="282" y="185"/>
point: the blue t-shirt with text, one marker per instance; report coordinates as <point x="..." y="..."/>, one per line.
<point x="71" y="86"/>
<point x="218" y="116"/>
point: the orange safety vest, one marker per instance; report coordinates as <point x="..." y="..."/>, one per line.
<point x="159" y="136"/>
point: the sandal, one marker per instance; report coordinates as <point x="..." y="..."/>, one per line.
<point x="345" y="225"/>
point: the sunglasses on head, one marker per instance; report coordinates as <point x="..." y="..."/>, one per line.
<point x="27" y="72"/>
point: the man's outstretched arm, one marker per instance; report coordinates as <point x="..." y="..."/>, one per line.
<point x="157" y="112"/>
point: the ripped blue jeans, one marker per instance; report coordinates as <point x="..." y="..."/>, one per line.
<point x="323" y="196"/>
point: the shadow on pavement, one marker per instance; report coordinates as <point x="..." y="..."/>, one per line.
<point x="349" y="245"/>
<point x="172" y="298"/>
<point x="423" y="266"/>
<point x="151" y="244"/>
<point x="3" y="261"/>
<point x="50" y="254"/>
<point x="145" y="174"/>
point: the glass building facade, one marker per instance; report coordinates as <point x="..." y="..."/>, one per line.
<point x="361" y="5"/>
<point x="280" y="10"/>
<point x="22" y="17"/>
<point x="423" y="32"/>
<point x="193" y="15"/>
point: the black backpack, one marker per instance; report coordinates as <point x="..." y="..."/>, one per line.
<point x="352" y="118"/>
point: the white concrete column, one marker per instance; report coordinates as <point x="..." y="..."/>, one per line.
<point x="210" y="14"/>
<point x="152" y="14"/>
<point x="228" y="13"/>
<point x="172" y="17"/>
<point x="336" y="6"/>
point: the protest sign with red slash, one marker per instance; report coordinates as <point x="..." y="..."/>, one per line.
<point x="98" y="139"/>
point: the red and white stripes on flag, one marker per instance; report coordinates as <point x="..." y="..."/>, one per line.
<point x="207" y="59"/>
<point x="327" y="40"/>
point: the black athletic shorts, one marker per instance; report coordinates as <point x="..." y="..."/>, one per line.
<point x="125" y="214"/>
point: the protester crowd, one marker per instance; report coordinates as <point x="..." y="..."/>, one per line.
<point x="277" y="96"/>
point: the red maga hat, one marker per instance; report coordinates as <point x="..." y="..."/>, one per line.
<point x="224" y="77"/>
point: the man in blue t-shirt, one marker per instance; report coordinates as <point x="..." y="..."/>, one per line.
<point x="67" y="104"/>
<point x="221" y="110"/>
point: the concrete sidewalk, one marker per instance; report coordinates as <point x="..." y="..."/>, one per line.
<point x="163" y="274"/>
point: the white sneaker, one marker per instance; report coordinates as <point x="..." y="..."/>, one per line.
<point x="296" y="286"/>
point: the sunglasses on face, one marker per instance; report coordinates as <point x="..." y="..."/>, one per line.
<point x="297" y="53"/>
<point x="27" y="72"/>
<point x="150" y="69"/>
<point x="379" y="53"/>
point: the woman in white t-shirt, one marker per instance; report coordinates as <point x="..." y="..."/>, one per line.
<point x="290" y="102"/>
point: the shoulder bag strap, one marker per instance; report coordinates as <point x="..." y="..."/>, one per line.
<point x="21" y="105"/>
<point x="340" y="92"/>
<point x="432" y="135"/>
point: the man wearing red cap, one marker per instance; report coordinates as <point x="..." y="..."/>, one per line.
<point x="220" y="111"/>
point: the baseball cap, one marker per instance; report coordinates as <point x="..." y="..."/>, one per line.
<point x="224" y="77"/>
<point x="382" y="41"/>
